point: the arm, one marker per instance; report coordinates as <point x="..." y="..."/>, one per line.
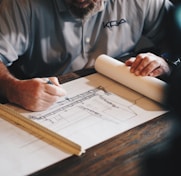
<point x="155" y="29"/>
<point x="33" y="94"/>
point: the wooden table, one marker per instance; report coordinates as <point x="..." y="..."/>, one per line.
<point x="119" y="156"/>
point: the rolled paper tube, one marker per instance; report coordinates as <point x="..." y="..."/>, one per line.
<point x="148" y="86"/>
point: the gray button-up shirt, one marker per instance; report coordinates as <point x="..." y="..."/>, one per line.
<point x="41" y="38"/>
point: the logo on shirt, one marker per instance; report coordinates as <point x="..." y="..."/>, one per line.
<point x="111" y="24"/>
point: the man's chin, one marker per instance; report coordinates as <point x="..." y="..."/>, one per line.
<point x="82" y="13"/>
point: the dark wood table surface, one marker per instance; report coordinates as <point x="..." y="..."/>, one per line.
<point x="119" y="156"/>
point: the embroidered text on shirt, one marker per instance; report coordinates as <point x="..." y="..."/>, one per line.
<point x="113" y="23"/>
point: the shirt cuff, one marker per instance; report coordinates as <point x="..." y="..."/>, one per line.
<point x="4" y="60"/>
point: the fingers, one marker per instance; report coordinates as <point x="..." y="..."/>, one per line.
<point x="156" y="72"/>
<point x="147" y="64"/>
<point x="54" y="80"/>
<point x="52" y="86"/>
<point x="36" y="94"/>
<point x="55" y="90"/>
<point x="130" y="61"/>
<point x="144" y="65"/>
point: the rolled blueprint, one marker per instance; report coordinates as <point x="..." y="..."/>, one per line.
<point x="148" y="86"/>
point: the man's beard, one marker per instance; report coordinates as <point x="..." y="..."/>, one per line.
<point x="84" y="13"/>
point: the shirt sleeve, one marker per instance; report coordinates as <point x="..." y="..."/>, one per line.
<point x="4" y="60"/>
<point x="14" y="30"/>
<point x="155" y="21"/>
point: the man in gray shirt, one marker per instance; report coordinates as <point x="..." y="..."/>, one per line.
<point x="45" y="38"/>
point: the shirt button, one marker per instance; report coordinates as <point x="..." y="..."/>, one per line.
<point x="87" y="40"/>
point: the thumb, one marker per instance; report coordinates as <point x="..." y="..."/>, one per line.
<point x="54" y="80"/>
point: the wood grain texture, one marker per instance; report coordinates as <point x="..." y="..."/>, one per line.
<point x="119" y="156"/>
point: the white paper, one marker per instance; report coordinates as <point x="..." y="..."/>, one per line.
<point x="149" y="86"/>
<point x="98" y="109"/>
<point x="22" y="153"/>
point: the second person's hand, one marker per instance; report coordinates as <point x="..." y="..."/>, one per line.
<point x="148" y="64"/>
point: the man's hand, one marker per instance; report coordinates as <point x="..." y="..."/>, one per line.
<point x="35" y="94"/>
<point x="148" y="64"/>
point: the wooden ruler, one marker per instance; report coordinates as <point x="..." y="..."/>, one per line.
<point x="49" y="136"/>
